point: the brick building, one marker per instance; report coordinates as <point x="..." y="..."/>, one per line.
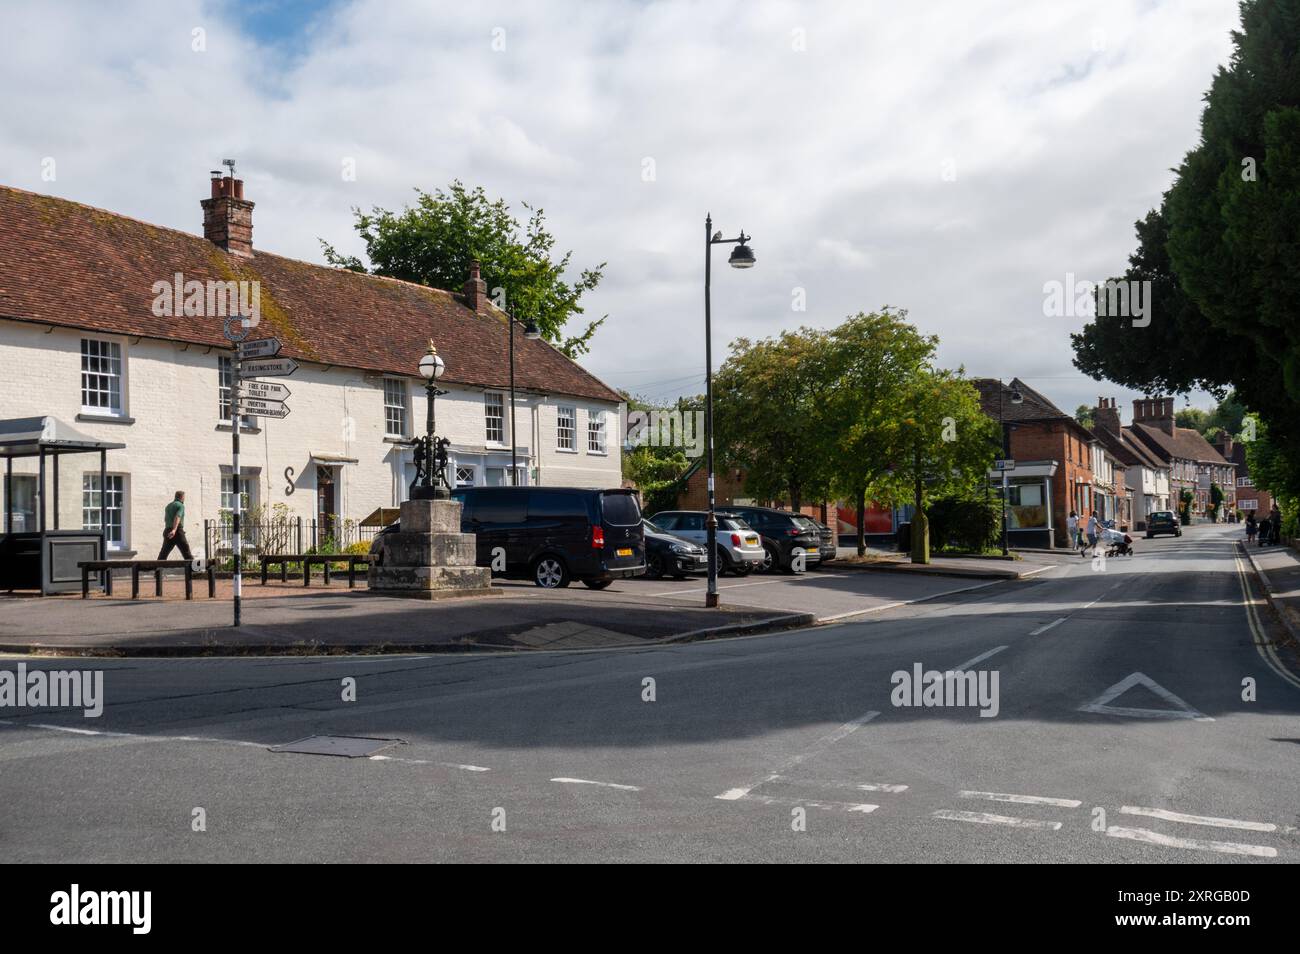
<point x="1194" y="465"/>
<point x="1146" y="478"/>
<point x="1249" y="498"/>
<point x="1054" y="457"/>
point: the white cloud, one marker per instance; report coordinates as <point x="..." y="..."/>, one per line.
<point x="831" y="157"/>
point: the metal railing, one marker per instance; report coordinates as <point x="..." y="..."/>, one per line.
<point x="334" y="534"/>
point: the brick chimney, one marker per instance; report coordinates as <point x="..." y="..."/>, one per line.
<point x="1223" y="444"/>
<point x="228" y="216"/>
<point x="475" y="289"/>
<point x="1155" y="411"/>
<point x="1106" y="416"/>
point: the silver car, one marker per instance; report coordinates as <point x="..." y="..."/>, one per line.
<point x="740" y="549"/>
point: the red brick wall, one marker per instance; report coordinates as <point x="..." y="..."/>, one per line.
<point x="1056" y="442"/>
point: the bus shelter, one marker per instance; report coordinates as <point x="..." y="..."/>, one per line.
<point x="35" y="553"/>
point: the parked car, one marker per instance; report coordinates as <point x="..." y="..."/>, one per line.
<point x="739" y="548"/>
<point x="554" y="535"/>
<point x="1163" y="521"/>
<point x="829" y="543"/>
<point x="784" y="535"/>
<point x="668" y="555"/>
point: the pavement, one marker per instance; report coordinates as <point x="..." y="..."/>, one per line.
<point x="278" y="619"/>
<point x="1140" y="717"/>
<point x="1279" y="571"/>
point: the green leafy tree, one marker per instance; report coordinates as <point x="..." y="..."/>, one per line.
<point x="1084" y="415"/>
<point x="433" y="243"/>
<point x="653" y="468"/>
<point x="769" y="418"/>
<point x="1220" y="250"/>
<point x="944" y="447"/>
<point x="872" y="363"/>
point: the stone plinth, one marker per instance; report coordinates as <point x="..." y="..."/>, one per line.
<point x="428" y="558"/>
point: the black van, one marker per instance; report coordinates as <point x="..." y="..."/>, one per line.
<point x="556" y="534"/>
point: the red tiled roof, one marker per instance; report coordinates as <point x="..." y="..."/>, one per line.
<point x="1185" y="443"/>
<point x="1033" y="408"/>
<point x="67" y="264"/>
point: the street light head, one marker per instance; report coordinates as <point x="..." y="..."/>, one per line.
<point x="531" y="331"/>
<point x="742" y="256"/>
<point x="431" y="365"/>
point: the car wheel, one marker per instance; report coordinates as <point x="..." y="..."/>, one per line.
<point x="654" y="567"/>
<point x="771" y="562"/>
<point x="596" y="584"/>
<point x="550" y="573"/>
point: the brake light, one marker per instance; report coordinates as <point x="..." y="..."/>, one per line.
<point x="794" y="531"/>
<point x="597" y="538"/>
<point x="735" y="539"/>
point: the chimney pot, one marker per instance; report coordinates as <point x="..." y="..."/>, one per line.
<point x="228" y="217"/>
<point x="475" y="289"/>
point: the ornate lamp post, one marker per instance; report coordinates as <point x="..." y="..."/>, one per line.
<point x="742" y="256"/>
<point x="532" y="333"/>
<point x="431" y="453"/>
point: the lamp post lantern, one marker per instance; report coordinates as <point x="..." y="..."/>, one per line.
<point x="532" y="333"/>
<point x="742" y="256"/>
<point x="431" y="453"/>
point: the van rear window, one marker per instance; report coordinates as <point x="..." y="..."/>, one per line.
<point x="620" y="510"/>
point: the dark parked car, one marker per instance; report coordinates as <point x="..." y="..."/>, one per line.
<point x="784" y="535"/>
<point x="1163" y="521"/>
<point x="667" y="555"/>
<point x="554" y="535"/>
<point x="829" y="543"/>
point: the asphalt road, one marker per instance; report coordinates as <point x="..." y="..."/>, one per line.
<point x="742" y="737"/>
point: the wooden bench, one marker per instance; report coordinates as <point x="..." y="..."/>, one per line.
<point x="353" y="560"/>
<point x="135" y="566"/>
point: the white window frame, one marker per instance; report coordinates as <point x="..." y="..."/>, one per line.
<point x="392" y="411"/>
<point x="225" y="389"/>
<point x="247" y="501"/>
<point x="469" y="481"/>
<point x="566" y="435"/>
<point x="117" y="487"/>
<point x="596" y="433"/>
<point x="109" y="381"/>
<point x="494" y="401"/>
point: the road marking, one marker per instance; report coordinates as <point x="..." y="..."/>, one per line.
<point x="978" y="659"/>
<point x="587" y="781"/>
<point x="1168" y="841"/>
<point x="1198" y="819"/>
<point x="1023" y="799"/>
<point x="845" y="730"/>
<point x="139" y="737"/>
<point x="834" y="783"/>
<point x="1101" y="705"/>
<point x="985" y="818"/>
<point x="1263" y="645"/>
<point x="863" y="808"/>
<point x="1052" y="625"/>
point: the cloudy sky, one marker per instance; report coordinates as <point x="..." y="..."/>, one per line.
<point x="947" y="157"/>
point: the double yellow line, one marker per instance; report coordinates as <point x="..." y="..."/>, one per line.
<point x="1263" y="645"/>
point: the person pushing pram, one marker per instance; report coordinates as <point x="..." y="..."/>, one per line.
<point x="1115" y="542"/>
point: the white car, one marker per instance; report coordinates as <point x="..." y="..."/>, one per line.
<point x="740" y="549"/>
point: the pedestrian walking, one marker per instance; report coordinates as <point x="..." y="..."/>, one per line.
<point x="1072" y="527"/>
<point x="1252" y="528"/>
<point x="1264" y="531"/>
<point x="1094" y="527"/>
<point x="1275" y="525"/>
<point x="174" y="528"/>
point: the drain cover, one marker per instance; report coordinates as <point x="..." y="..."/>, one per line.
<point x="348" y="746"/>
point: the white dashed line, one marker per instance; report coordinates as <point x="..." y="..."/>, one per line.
<point x="978" y="659"/>
<point x="863" y="808"/>
<point x="1168" y="841"/>
<point x="824" y="742"/>
<point x="985" y="818"/>
<point x="1198" y="819"/>
<point x="587" y="781"/>
<point x="1052" y="625"/>
<point x="1023" y="799"/>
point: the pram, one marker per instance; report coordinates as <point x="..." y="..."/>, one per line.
<point x="1117" y="542"/>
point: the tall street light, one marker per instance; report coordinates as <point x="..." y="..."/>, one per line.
<point x="742" y="256"/>
<point x="432" y="455"/>
<point x="532" y="333"/>
<point x="1016" y="398"/>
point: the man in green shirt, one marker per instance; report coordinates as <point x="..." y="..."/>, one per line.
<point x="174" y="528"/>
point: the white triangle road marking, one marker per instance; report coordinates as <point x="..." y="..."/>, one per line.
<point x="1101" y="705"/>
